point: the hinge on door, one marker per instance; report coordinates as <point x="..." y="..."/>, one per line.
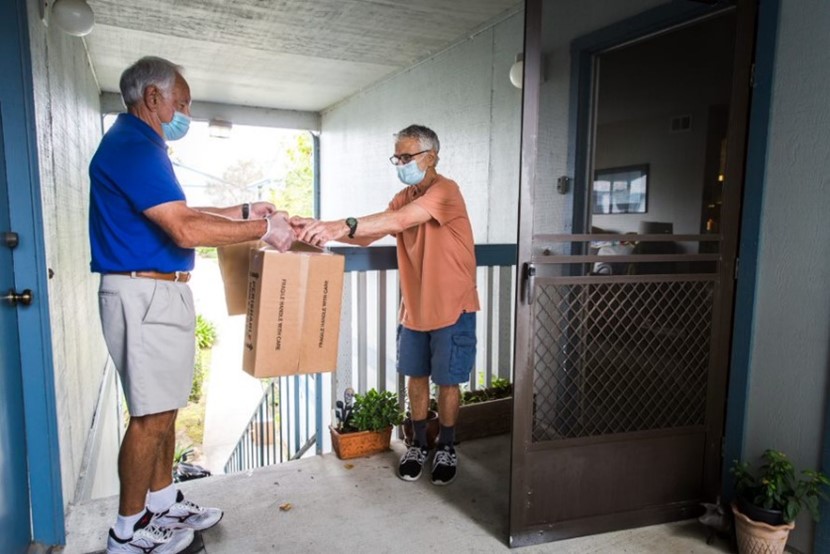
<point x="752" y="76"/>
<point x="737" y="266"/>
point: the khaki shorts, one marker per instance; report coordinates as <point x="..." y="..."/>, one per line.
<point x="149" y="329"/>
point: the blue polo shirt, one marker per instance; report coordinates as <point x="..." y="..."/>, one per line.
<point x="129" y="173"/>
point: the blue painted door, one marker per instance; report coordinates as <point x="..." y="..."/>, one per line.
<point x="14" y="487"/>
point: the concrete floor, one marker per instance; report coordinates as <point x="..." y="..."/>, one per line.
<point x="361" y="505"/>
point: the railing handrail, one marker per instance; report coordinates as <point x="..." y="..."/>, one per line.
<point x="381" y="258"/>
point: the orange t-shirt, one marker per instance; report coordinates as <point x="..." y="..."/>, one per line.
<point x="436" y="259"/>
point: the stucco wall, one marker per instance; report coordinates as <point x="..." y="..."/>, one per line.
<point x="68" y="131"/>
<point x="788" y="379"/>
<point x="463" y="94"/>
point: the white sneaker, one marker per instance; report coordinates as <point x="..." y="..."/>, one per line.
<point x="184" y="514"/>
<point x="149" y="537"/>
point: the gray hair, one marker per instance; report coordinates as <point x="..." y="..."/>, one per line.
<point x="425" y="135"/>
<point x="149" y="70"/>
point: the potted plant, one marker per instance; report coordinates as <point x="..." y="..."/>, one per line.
<point x="768" y="501"/>
<point x="365" y="427"/>
<point x="433" y="426"/>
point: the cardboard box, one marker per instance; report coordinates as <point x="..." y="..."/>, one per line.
<point x="292" y="321"/>
<point x="234" y="260"/>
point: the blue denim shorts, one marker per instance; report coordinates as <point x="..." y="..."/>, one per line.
<point x="447" y="354"/>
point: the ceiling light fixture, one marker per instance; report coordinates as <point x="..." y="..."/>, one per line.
<point x="219" y="128"/>
<point x="517" y="71"/>
<point x="73" y="17"/>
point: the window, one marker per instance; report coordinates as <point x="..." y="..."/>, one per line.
<point x="621" y="190"/>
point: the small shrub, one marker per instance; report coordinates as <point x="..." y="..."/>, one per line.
<point x="205" y="333"/>
<point x="775" y="486"/>
<point x="199" y="374"/>
<point x="375" y="410"/>
<point x="181" y="453"/>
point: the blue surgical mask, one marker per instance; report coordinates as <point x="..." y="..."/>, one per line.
<point x="411" y="174"/>
<point x="177" y="128"/>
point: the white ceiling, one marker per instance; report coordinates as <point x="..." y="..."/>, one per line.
<point x="288" y="54"/>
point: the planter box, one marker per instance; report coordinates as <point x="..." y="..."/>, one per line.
<point x="484" y="419"/>
<point x="361" y="443"/>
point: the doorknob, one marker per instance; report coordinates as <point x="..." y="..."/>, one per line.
<point x="11" y="239"/>
<point x="14" y="298"/>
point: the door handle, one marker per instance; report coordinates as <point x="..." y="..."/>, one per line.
<point x="530" y="283"/>
<point x="14" y="298"/>
<point x="11" y="239"/>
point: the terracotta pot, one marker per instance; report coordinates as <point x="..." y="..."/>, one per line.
<point x="433" y="427"/>
<point x="759" y="538"/>
<point x="360" y="443"/>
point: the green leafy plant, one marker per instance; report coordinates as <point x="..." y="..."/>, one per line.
<point x="205" y="339"/>
<point x="199" y="376"/>
<point x="499" y="388"/>
<point x="374" y="411"/>
<point x="206" y="252"/>
<point x="205" y="333"/>
<point x="776" y="487"/>
<point x="181" y="453"/>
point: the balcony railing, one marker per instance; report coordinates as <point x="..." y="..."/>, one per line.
<point x="294" y="412"/>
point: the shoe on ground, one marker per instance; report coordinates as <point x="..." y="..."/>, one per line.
<point x="444" y="465"/>
<point x="149" y="537"/>
<point x="184" y="514"/>
<point x="412" y="462"/>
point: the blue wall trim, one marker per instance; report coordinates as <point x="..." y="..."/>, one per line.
<point x="749" y="241"/>
<point x="42" y="447"/>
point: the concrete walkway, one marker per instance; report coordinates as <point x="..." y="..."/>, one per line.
<point x="232" y="394"/>
<point x="323" y="504"/>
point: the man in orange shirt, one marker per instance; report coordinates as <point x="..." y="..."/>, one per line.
<point x="436" y="261"/>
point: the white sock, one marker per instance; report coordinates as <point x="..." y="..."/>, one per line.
<point x="158" y="501"/>
<point x="124" y="525"/>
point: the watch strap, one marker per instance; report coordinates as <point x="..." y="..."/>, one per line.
<point x="246" y="210"/>
<point x="352" y="223"/>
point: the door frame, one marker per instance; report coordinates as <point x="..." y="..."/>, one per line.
<point x="583" y="50"/>
<point x="25" y="206"/>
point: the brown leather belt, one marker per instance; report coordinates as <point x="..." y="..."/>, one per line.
<point x="177" y="276"/>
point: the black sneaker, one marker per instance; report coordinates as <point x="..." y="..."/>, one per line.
<point x="444" y="464"/>
<point x="412" y="462"/>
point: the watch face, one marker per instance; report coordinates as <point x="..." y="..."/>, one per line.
<point x="352" y="224"/>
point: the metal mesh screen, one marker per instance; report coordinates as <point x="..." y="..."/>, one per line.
<point x="620" y="357"/>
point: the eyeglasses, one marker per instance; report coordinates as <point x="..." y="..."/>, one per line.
<point x="405" y="158"/>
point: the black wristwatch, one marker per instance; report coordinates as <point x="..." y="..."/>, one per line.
<point x="352" y="223"/>
<point x="246" y="210"/>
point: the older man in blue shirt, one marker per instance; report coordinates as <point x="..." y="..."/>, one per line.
<point x="142" y="235"/>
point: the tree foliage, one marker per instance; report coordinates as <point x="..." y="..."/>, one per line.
<point x="297" y="196"/>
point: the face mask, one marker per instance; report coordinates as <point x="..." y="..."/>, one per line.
<point x="411" y="174"/>
<point x="177" y="128"/>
